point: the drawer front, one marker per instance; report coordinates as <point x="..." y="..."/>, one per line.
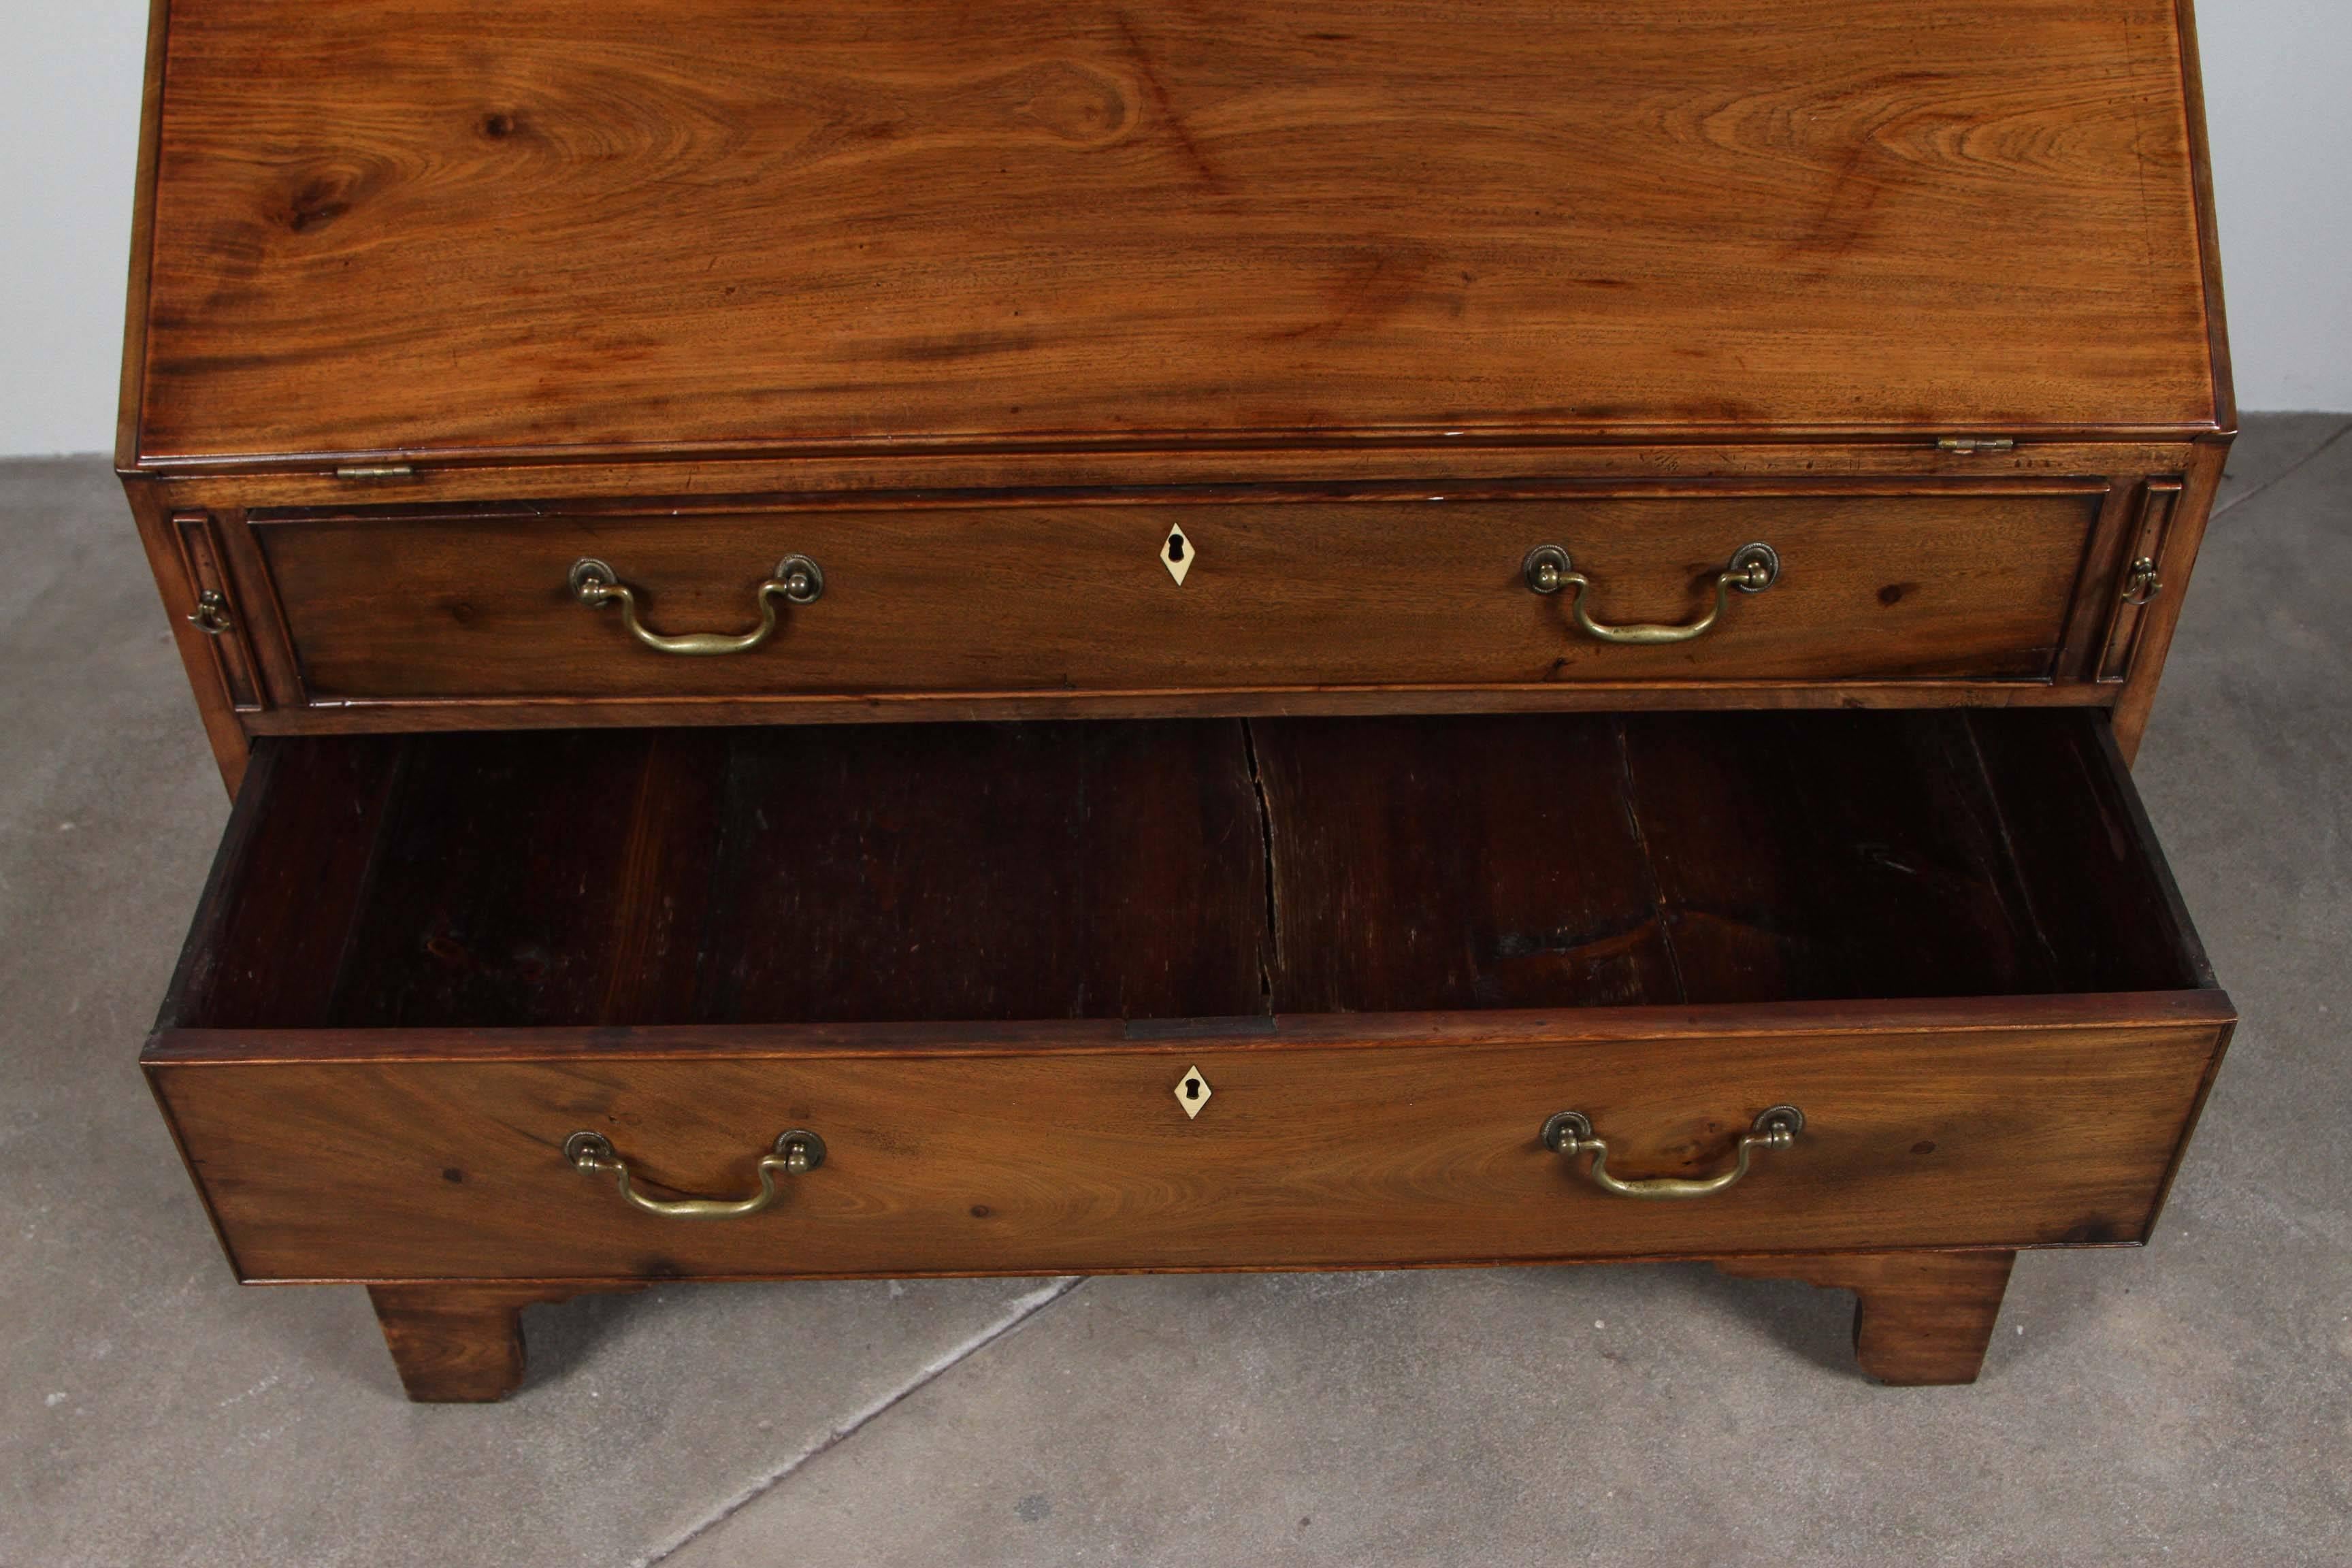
<point x="1399" y="591"/>
<point x="1340" y="1142"/>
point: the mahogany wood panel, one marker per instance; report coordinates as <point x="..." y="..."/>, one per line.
<point x="1880" y="853"/>
<point x="574" y="870"/>
<point x="1098" y="871"/>
<point x="1421" y="863"/>
<point x="932" y="873"/>
<point x="1174" y="871"/>
<point x="1994" y="1133"/>
<point x="1709" y="858"/>
<point x="1918" y="1319"/>
<point x="2102" y="896"/>
<point x="297" y="864"/>
<point x="1075" y="597"/>
<point x="544" y="228"/>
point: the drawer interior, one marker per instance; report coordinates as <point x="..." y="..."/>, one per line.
<point x="1178" y="869"/>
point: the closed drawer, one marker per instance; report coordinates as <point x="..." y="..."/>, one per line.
<point x="981" y="964"/>
<point x="1070" y="597"/>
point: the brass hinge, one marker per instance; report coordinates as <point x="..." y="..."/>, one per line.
<point x="1976" y="443"/>
<point x="377" y="471"/>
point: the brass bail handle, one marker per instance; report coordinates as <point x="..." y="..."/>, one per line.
<point x="1752" y="569"/>
<point x="796" y="1153"/>
<point x="1569" y="1133"/>
<point x="797" y="579"/>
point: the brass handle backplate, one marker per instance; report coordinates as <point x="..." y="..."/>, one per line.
<point x="1570" y="1134"/>
<point x="796" y="1151"/>
<point x="797" y="579"/>
<point x="1546" y="569"/>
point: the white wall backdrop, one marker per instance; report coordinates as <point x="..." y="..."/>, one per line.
<point x="71" y="73"/>
<point x="2275" y="74"/>
<point x="2280" y="115"/>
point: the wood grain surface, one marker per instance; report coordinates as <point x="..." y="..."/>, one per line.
<point x="1463" y="466"/>
<point x="433" y="229"/>
<point x="1992" y="1135"/>
<point x="1075" y="597"/>
<point x="1715" y="858"/>
<point x="1175" y="870"/>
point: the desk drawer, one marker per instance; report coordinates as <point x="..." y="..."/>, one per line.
<point x="1078" y="597"/>
<point x="1382" y="1142"/>
<point x="981" y="965"/>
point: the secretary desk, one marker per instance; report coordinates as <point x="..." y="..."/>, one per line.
<point x="902" y="638"/>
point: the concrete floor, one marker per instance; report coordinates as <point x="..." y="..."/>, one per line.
<point x="2189" y="1403"/>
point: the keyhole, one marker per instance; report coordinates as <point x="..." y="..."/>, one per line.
<point x="1175" y="547"/>
<point x="1191" y="1089"/>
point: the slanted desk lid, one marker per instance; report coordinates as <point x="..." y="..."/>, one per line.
<point x="432" y="227"/>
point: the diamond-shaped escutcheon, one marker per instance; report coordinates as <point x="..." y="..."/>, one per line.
<point x="1192" y="1091"/>
<point x="1176" y="554"/>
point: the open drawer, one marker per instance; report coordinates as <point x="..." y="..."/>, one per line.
<point x="1124" y="996"/>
